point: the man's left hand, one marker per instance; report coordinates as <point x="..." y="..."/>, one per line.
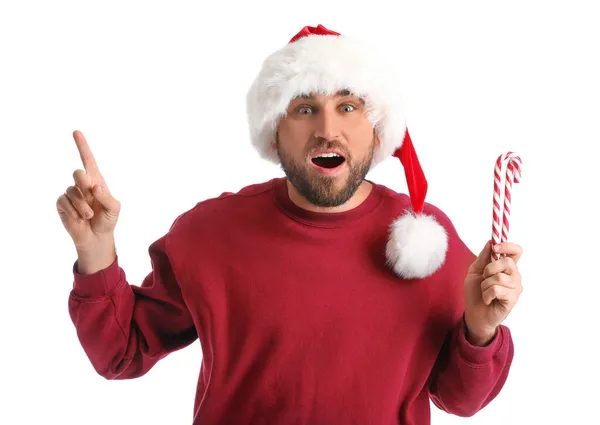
<point x="491" y="290"/>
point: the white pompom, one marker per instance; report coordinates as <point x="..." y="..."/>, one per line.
<point x="416" y="246"/>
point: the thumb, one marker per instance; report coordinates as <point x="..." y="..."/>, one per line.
<point x="103" y="196"/>
<point x="484" y="258"/>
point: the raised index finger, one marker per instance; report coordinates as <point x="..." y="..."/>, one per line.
<point x="89" y="162"/>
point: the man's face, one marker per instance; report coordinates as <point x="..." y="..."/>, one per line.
<point x="326" y="145"/>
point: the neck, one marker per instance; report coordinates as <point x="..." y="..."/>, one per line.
<point x="359" y="196"/>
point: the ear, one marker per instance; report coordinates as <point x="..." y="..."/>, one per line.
<point x="376" y="139"/>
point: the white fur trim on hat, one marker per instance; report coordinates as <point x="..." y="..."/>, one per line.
<point x="324" y="64"/>
<point x="416" y="246"/>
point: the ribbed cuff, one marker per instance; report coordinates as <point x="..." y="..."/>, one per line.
<point x="99" y="284"/>
<point x="476" y="354"/>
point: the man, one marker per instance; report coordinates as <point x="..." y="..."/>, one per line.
<point x="318" y="298"/>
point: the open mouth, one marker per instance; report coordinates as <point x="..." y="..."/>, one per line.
<point x="328" y="160"/>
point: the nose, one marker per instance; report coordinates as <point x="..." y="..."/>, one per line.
<point x="328" y="124"/>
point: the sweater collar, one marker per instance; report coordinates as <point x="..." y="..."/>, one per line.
<point x="325" y="219"/>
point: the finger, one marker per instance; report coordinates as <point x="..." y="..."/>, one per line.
<point x="509" y="249"/>
<point x="497" y="292"/>
<point x="77" y="199"/>
<point x="500" y="279"/>
<point x="89" y="162"/>
<point x="66" y="210"/>
<point x="503" y="265"/>
<point x="108" y="202"/>
<point x="82" y="180"/>
<point x="483" y="259"/>
<point x="84" y="183"/>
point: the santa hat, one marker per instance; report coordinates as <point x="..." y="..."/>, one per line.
<point x="318" y="60"/>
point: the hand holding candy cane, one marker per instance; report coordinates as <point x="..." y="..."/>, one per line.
<point x="493" y="282"/>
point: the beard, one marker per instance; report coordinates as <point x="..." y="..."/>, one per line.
<point x="325" y="191"/>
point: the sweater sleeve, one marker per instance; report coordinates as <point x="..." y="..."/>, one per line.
<point x="465" y="377"/>
<point x="126" y="329"/>
<point x="469" y="377"/>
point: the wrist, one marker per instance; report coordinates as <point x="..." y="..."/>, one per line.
<point x="95" y="258"/>
<point x="96" y="243"/>
<point x="479" y="337"/>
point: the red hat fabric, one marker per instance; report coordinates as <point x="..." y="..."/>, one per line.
<point x="318" y="30"/>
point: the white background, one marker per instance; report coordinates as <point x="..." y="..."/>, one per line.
<point x="158" y="89"/>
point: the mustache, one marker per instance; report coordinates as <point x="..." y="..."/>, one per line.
<point x="330" y="144"/>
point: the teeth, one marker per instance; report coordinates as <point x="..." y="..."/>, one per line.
<point x="327" y="155"/>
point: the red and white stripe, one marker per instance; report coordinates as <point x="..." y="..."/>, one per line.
<point x="511" y="164"/>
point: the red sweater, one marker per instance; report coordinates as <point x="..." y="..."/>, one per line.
<point x="299" y="319"/>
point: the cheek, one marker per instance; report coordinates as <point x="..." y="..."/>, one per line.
<point x="363" y="137"/>
<point x="293" y="138"/>
<point x="297" y="131"/>
<point x="359" y="128"/>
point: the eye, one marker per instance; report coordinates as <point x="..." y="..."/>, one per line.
<point x="347" y="108"/>
<point x="304" y="110"/>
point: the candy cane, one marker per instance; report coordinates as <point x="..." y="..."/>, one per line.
<point x="512" y="165"/>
